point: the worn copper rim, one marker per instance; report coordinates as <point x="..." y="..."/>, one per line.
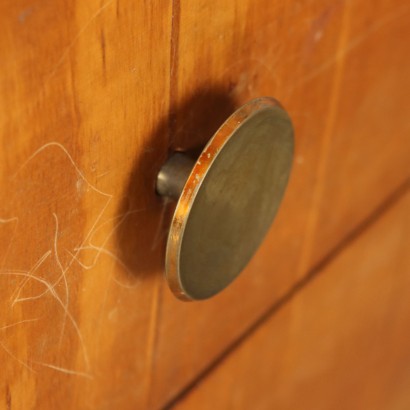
<point x="193" y="183"/>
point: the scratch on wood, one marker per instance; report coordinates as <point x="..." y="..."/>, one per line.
<point x="9" y="352"/>
<point x="8" y="220"/>
<point x="77" y="36"/>
<point x="83" y="246"/>
<point x="64" y="370"/>
<point x="103" y="174"/>
<point x="93" y="187"/>
<point x="19" y="323"/>
<point x="55" y="144"/>
<point x="63" y="275"/>
<point x="31" y="271"/>
<point x="58" y="299"/>
<point x="100" y="249"/>
<point x="350" y="46"/>
<point x="86" y="244"/>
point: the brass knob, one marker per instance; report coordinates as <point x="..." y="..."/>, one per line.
<point x="226" y="199"/>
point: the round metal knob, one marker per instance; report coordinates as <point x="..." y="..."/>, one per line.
<point x="226" y="199"/>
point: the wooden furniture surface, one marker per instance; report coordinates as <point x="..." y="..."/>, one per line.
<point x="342" y="342"/>
<point x="94" y="96"/>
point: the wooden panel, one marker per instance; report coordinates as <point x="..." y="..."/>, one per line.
<point x="326" y="61"/>
<point x="342" y="342"/>
<point x="93" y="94"/>
<point x="83" y="86"/>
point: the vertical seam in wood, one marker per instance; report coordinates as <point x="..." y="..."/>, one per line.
<point x="331" y="115"/>
<point x="158" y="295"/>
<point x="152" y="339"/>
<point x="173" y="74"/>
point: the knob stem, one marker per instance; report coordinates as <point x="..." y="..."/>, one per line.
<point x="173" y="175"/>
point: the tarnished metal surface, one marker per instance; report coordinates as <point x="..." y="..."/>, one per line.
<point x="229" y="200"/>
<point x="173" y="175"/>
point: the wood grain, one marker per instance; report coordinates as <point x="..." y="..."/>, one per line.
<point x="341" y="343"/>
<point x="83" y="86"/>
<point x="93" y="96"/>
<point x="326" y="62"/>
